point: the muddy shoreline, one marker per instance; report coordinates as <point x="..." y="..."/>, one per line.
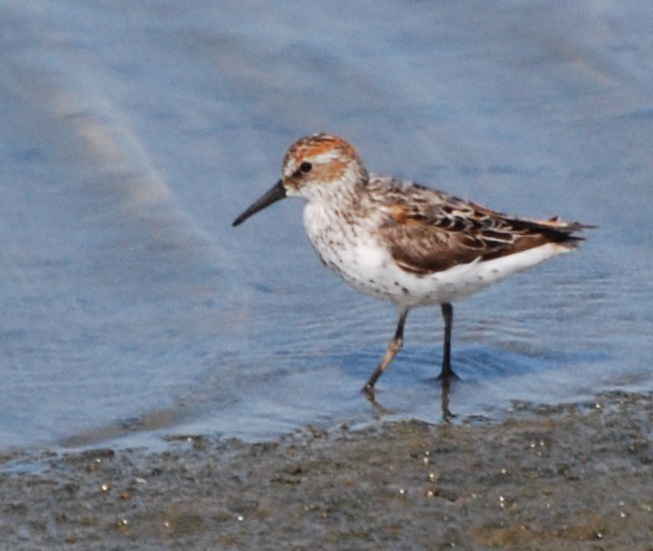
<point x="576" y="476"/>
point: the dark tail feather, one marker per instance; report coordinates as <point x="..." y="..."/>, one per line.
<point x="553" y="230"/>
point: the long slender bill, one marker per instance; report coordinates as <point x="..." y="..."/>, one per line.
<point x="277" y="193"/>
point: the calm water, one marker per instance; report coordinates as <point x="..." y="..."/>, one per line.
<point x="134" y="132"/>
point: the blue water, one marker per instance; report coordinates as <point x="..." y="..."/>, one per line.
<point x="134" y="132"/>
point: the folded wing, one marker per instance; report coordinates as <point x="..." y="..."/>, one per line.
<point x="429" y="231"/>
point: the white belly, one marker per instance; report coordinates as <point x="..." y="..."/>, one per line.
<point x="360" y="258"/>
<point x="371" y="270"/>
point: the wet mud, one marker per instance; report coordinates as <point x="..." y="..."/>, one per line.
<point x="577" y="476"/>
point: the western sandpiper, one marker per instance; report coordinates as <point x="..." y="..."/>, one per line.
<point x="399" y="241"/>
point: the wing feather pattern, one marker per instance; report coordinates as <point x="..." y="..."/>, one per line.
<point x="428" y="231"/>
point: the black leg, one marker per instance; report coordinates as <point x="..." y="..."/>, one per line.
<point x="447" y="373"/>
<point x="393" y="348"/>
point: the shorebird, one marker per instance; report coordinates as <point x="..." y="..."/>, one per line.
<point x="405" y="243"/>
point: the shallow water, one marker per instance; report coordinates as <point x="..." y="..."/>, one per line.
<point x="133" y="134"/>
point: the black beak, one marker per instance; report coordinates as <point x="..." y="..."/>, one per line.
<point x="277" y="193"/>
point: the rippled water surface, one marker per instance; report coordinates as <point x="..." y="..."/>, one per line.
<point x="134" y="132"/>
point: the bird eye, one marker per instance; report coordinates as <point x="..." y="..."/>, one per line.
<point x="306" y="167"/>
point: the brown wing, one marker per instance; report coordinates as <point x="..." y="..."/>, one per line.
<point x="429" y="231"/>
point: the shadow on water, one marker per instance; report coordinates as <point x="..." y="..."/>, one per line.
<point x="487" y="364"/>
<point x="490" y="379"/>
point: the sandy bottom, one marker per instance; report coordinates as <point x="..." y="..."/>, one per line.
<point x="565" y="477"/>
